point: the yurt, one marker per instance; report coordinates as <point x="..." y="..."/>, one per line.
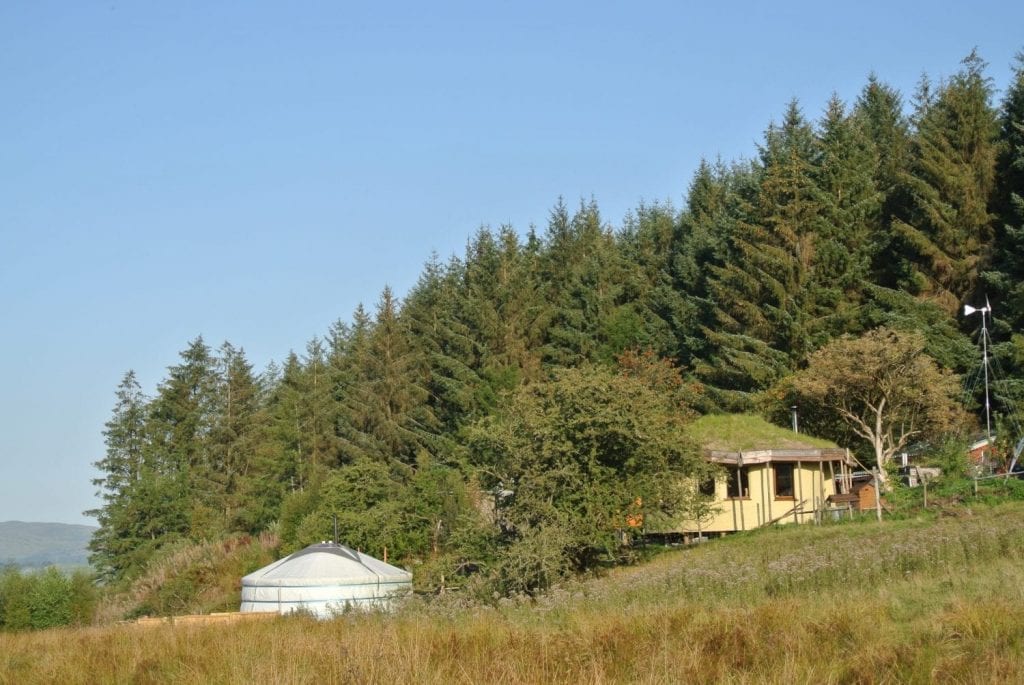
<point x="324" y="579"/>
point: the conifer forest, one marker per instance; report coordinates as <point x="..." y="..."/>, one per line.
<point x="496" y="421"/>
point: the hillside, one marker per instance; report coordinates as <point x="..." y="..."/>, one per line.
<point x="934" y="598"/>
<point x="35" y="545"/>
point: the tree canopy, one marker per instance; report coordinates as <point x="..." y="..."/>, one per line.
<point x="885" y="388"/>
<point x="559" y="363"/>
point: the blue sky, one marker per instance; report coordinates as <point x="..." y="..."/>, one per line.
<point x="251" y="171"/>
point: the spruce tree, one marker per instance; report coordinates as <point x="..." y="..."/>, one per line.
<point x="388" y="400"/>
<point x="945" y="235"/>
<point x="120" y="469"/>
<point x="182" y="417"/>
<point x="766" y="305"/>
<point x="432" y="313"/>
<point x="654" y="313"/>
<point x="850" y="233"/>
<point x="1004" y="282"/>
<point x="503" y="307"/>
<point x="584" y="277"/>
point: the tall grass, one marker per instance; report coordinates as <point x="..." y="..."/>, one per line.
<point x="921" y="600"/>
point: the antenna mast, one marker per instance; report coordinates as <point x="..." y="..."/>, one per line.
<point x="987" y="309"/>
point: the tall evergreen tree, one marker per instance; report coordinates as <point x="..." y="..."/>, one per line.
<point x="432" y="313"/>
<point x="946" y="232"/>
<point x="767" y="308"/>
<point x="503" y="306"/>
<point x="654" y="312"/>
<point x="850" y="233"/>
<point x="879" y="111"/>
<point x="236" y="434"/>
<point x="1005" y="280"/>
<point x="584" y="276"/>
<point x="182" y="418"/>
<point x="388" y="401"/>
<point x="121" y="469"/>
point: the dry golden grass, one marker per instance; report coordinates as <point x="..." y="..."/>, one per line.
<point x="945" y="604"/>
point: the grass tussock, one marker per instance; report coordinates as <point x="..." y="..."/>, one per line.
<point x="191" y="579"/>
<point x="923" y="600"/>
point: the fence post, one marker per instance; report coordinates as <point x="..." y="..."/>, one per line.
<point x="878" y="495"/>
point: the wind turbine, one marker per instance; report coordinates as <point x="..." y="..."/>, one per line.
<point x="987" y="309"/>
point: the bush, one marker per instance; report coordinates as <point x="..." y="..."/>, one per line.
<point x="46" y="599"/>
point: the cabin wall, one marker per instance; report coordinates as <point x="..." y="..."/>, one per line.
<point x="812" y="483"/>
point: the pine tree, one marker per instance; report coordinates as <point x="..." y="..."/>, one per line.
<point x="1005" y="280"/>
<point x="432" y="314"/>
<point x="182" y="418"/>
<point x="388" y="400"/>
<point x="654" y="313"/>
<point x="946" y="233"/>
<point x="121" y="469"/>
<point x="584" y="276"/>
<point x="850" y="232"/>
<point x="766" y="304"/>
<point x="236" y="437"/>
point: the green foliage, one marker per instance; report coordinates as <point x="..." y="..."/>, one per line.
<point x="485" y="372"/>
<point x="576" y="453"/>
<point x="947" y="227"/>
<point x="45" y="599"/>
<point x="885" y="388"/>
<point x="411" y="513"/>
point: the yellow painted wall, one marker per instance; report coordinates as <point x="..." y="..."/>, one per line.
<point x="761" y="506"/>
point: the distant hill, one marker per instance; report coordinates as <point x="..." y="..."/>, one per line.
<point x="34" y="545"/>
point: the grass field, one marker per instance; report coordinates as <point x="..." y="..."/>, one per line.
<point x="932" y="599"/>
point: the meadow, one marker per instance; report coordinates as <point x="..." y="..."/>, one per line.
<point x="934" y="598"/>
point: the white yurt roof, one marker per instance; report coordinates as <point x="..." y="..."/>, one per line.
<point x="323" y="578"/>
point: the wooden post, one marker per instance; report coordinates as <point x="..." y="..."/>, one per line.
<point x="878" y="494"/>
<point x="925" y="484"/>
<point x="821" y="492"/>
<point x="975" y="486"/>
<point x="741" y="490"/>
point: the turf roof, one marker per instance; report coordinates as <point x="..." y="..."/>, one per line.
<point x="735" y="432"/>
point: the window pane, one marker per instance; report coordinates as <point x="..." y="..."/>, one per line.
<point x="737" y="484"/>
<point x="784" y="480"/>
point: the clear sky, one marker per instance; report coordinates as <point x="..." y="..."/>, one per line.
<point x="250" y="171"/>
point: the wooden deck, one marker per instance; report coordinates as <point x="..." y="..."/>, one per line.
<point x="203" y="619"/>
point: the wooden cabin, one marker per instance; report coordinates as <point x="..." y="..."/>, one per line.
<point x="767" y="475"/>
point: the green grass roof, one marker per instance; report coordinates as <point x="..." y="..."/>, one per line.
<point x="735" y="432"/>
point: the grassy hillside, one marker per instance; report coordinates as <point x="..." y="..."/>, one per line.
<point x="930" y="599"/>
<point x="44" y="544"/>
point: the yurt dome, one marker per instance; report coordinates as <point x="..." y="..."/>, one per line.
<point x="324" y="579"/>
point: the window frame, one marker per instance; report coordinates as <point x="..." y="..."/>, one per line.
<point x="776" y="467"/>
<point x="742" y="474"/>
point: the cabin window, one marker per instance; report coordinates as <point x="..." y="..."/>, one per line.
<point x="784" y="481"/>
<point x="707" y="487"/>
<point x="737" y="485"/>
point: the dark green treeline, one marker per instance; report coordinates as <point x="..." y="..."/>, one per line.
<point x="877" y="212"/>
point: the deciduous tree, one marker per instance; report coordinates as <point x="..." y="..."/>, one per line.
<point x="885" y="388"/>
